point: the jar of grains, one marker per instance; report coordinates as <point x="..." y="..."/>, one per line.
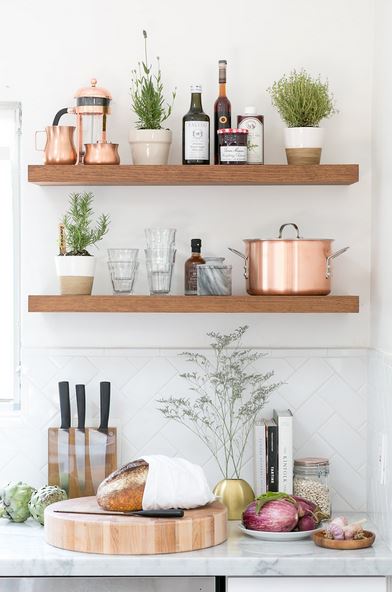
<point x="311" y="482"/>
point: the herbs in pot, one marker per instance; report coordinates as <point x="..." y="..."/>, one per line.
<point x="78" y="225"/>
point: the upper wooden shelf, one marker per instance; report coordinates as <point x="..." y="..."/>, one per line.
<point x="268" y="174"/>
<point x="197" y="304"/>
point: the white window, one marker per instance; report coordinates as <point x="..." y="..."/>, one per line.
<point x="10" y="126"/>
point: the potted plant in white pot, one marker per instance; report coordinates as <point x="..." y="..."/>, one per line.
<point x="229" y="396"/>
<point x="302" y="102"/>
<point x="150" y="142"/>
<point x="75" y="265"/>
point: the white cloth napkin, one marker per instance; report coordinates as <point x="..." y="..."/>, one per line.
<point x="174" y="483"/>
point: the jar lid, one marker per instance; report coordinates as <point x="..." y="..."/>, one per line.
<point x="93" y="91"/>
<point x="250" y="110"/>
<point x="311" y="461"/>
<point x="232" y="130"/>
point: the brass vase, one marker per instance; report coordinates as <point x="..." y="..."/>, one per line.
<point x="236" y="495"/>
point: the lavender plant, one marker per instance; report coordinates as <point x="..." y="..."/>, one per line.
<point x="229" y="398"/>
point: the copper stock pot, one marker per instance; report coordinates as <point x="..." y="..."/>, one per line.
<point x="288" y="266"/>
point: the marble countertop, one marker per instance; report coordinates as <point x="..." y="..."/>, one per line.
<point x="23" y="553"/>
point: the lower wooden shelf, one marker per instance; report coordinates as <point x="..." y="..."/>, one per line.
<point x="195" y="304"/>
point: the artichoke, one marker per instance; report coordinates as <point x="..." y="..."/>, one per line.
<point x="49" y="494"/>
<point x="15" y="501"/>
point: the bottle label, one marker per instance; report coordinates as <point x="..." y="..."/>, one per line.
<point x="255" y="139"/>
<point x="233" y="153"/>
<point x="223" y="119"/>
<point x="197" y="139"/>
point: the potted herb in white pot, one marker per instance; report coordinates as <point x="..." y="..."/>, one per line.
<point x="75" y="265"/>
<point x="302" y="102"/>
<point x="228" y="396"/>
<point x="150" y="142"/>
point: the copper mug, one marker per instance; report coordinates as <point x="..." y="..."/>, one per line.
<point x="59" y="147"/>
<point x="101" y="153"/>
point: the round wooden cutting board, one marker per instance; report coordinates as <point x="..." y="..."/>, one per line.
<point x="132" y="535"/>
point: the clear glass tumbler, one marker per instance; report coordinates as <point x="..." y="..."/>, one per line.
<point x="122" y="274"/>
<point x="123" y="255"/>
<point x="159" y="276"/>
<point x="160" y="237"/>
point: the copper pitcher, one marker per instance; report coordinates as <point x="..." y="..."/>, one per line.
<point x="288" y="266"/>
<point x="59" y="147"/>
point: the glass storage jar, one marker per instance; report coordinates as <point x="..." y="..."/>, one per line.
<point x="311" y="482"/>
<point x="233" y="146"/>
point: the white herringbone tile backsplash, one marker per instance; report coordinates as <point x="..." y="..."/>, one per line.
<point x="325" y="389"/>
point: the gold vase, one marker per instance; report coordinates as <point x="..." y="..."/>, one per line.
<point x="236" y="495"/>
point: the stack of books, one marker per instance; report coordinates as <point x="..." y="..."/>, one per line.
<point x="273" y="453"/>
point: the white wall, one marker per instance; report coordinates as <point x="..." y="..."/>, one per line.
<point x="48" y="50"/>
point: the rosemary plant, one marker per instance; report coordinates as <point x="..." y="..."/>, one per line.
<point x="229" y="398"/>
<point x="79" y="233"/>
<point x="148" y="101"/>
<point x="302" y="101"/>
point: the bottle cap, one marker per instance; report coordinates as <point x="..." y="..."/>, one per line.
<point x="196" y="245"/>
<point x="195" y="88"/>
<point x="250" y="110"/>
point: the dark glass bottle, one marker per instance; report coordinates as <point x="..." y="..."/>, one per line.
<point x="196" y="131"/>
<point x="222" y="108"/>
<point x="191" y="268"/>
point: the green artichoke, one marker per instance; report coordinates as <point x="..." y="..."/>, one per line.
<point x="15" y="501"/>
<point x="49" y="494"/>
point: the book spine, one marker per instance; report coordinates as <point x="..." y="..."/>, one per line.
<point x="285" y="430"/>
<point x="272" y="458"/>
<point x="260" y="459"/>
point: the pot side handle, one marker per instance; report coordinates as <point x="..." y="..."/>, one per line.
<point x="328" y="270"/>
<point x="244" y="257"/>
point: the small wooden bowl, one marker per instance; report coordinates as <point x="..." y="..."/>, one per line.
<point x="321" y="541"/>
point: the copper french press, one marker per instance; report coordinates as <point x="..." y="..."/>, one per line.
<point x="91" y="110"/>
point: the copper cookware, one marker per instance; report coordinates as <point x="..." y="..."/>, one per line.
<point x="59" y="147"/>
<point x="288" y="266"/>
<point x="101" y="153"/>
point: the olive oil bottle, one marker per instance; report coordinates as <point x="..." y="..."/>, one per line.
<point x="196" y="131"/>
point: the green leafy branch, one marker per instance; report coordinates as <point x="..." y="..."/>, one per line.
<point x="79" y="233"/>
<point x="148" y="101"/>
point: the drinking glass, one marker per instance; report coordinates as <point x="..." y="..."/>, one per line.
<point x="123" y="275"/>
<point x="123" y="255"/>
<point x="159" y="276"/>
<point x="160" y="237"/>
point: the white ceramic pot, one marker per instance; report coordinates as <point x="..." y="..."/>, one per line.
<point x="150" y="146"/>
<point x="303" y="144"/>
<point x="304" y="137"/>
<point x="75" y="273"/>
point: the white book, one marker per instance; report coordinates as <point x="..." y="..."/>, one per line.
<point x="284" y="420"/>
<point x="260" y="458"/>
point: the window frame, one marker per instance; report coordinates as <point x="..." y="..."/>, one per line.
<point x="12" y="404"/>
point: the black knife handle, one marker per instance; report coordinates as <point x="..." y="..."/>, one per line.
<point x="172" y="513"/>
<point x="65" y="407"/>
<point x="81" y="405"/>
<point x="105" y="405"/>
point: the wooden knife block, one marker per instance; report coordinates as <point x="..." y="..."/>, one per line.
<point x="99" y="460"/>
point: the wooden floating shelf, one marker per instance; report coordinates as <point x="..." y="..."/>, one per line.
<point x="269" y="174"/>
<point x="195" y="304"/>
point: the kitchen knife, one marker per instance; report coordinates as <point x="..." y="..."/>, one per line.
<point x="173" y="513"/>
<point x="80" y="437"/>
<point x="63" y="435"/>
<point x="99" y="439"/>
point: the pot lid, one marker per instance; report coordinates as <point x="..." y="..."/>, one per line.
<point x="93" y="91"/>
<point x="282" y="238"/>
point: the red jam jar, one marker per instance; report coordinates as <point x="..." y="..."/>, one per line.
<point x="233" y="145"/>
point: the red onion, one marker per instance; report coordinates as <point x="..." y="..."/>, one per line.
<point x="274" y="516"/>
<point x="305" y="507"/>
<point x="307" y="523"/>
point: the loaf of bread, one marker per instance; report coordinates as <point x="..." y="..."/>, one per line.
<point x="122" y="491"/>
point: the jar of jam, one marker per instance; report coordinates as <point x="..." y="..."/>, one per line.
<point x="233" y="145"/>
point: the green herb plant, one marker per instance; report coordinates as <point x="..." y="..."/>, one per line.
<point x="302" y="101"/>
<point x="229" y="395"/>
<point x="79" y="232"/>
<point x="147" y="96"/>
